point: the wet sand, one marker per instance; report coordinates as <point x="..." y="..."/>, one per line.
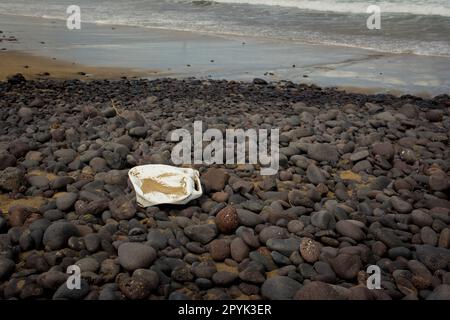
<point x="36" y="67"/>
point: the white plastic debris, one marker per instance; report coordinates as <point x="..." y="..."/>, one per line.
<point x="157" y="184"/>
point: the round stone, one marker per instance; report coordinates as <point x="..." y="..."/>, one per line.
<point x="310" y="250"/>
<point x="134" y="256"/>
<point x="227" y="220"/>
<point x="219" y="249"/>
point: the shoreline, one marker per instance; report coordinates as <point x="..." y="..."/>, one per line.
<point x="184" y="54"/>
<point x="34" y="67"/>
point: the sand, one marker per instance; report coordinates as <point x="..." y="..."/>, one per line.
<point x="36" y="67"/>
<point x="150" y="185"/>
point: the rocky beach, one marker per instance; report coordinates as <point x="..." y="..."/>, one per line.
<point x="364" y="180"/>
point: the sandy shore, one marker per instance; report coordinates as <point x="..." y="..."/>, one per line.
<point x="36" y="67"/>
<point x="187" y="54"/>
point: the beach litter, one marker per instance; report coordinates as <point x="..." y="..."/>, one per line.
<point x="162" y="184"/>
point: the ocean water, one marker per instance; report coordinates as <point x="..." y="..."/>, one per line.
<point x="419" y="27"/>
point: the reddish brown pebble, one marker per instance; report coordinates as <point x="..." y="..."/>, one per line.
<point x="219" y="249"/>
<point x="227" y="220"/>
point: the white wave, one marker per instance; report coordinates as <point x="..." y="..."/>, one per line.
<point x="431" y="8"/>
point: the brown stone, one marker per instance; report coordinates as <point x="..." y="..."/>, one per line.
<point x="310" y="250"/>
<point x="346" y="266"/>
<point x="239" y="250"/>
<point x="444" y="238"/>
<point x="214" y="179"/>
<point x="221" y="196"/>
<point x="219" y="249"/>
<point x="227" y="220"/>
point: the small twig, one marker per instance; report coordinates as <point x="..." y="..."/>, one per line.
<point x="119" y="113"/>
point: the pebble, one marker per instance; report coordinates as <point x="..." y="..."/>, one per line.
<point x="444" y="238"/>
<point x="284" y="246"/>
<point x="52" y="279"/>
<point x="219" y="249"/>
<point x="315" y="175"/>
<point x="439" y="181"/>
<point x="428" y="236"/>
<point x="360" y="155"/>
<point x="400" y="205"/>
<point x="323" y="152"/>
<point x="134" y="256"/>
<point x="61" y="182"/>
<point x="140" y="132"/>
<point x="214" y="179"/>
<point x="227" y="220"/>
<point x="66" y="201"/>
<point x="249" y="237"/>
<point x="251" y="275"/>
<point x="388" y="237"/>
<point x="88" y="265"/>
<point x="204" y="269"/>
<point x="248" y="218"/>
<point x="121" y="208"/>
<point x="157" y="239"/>
<point x="420" y="218"/>
<point x="238" y="249"/>
<point x="92" y="242"/>
<point x="323" y="220"/>
<point x="384" y="149"/>
<point x="272" y="232"/>
<point x="422" y="277"/>
<point x="280" y="288"/>
<point x="58" y="233"/>
<point x="182" y="274"/>
<point x="351" y="229"/>
<point x="134" y="287"/>
<point x="346" y="266"/>
<point x="295" y="226"/>
<point x="40" y="182"/>
<point x="201" y="233"/>
<point x="224" y="278"/>
<point x="64" y="293"/>
<point x="310" y="250"/>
